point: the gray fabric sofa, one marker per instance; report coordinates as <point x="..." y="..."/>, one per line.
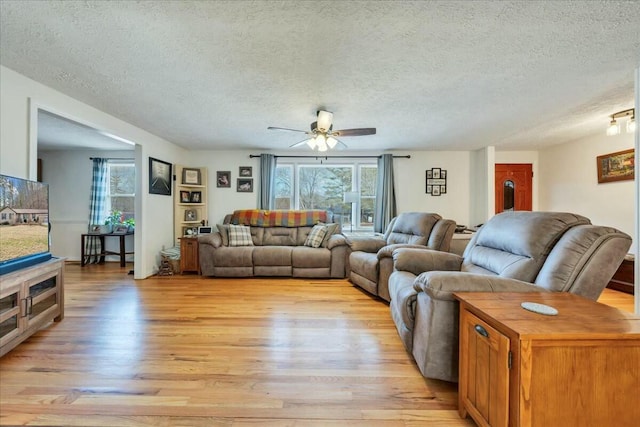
<point x="276" y="251"/>
<point x="370" y="259"/>
<point x="512" y="252"/>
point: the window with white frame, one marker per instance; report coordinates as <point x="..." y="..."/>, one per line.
<point x="121" y="188"/>
<point x="313" y="186"/>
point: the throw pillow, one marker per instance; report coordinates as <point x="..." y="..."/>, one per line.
<point x="224" y="233"/>
<point x="240" y="235"/>
<point x="314" y="239"/>
<point x="331" y="230"/>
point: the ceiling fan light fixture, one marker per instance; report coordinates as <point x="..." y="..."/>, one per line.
<point x="331" y="142"/>
<point x="311" y="142"/>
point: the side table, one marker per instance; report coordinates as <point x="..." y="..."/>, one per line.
<point x="580" y="367"/>
<point x="189" y="255"/>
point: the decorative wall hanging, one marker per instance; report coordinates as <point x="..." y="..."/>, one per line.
<point x="618" y="166"/>
<point x="223" y="179"/>
<point x="436" y="181"/>
<point x="159" y="177"/>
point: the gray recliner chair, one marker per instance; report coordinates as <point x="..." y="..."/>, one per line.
<point x="370" y="260"/>
<point x="512" y="252"/>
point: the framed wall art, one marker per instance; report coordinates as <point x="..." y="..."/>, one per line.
<point x="436" y="181"/>
<point x="618" y="166"/>
<point x="191" y="176"/>
<point x="159" y="177"/>
<point x="245" y="171"/>
<point x="223" y="179"/>
<point x="245" y="185"/>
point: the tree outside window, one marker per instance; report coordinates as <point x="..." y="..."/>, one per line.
<point x="121" y="191"/>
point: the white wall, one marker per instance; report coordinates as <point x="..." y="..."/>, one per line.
<point x="569" y="182"/>
<point x="19" y="99"/>
<point x="69" y="175"/>
<point x="409" y="176"/>
<point x="482" y="185"/>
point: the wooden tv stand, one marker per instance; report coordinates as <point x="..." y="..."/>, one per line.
<point x="520" y="368"/>
<point x="30" y="298"/>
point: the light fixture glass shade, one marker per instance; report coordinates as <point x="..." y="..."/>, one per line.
<point x="331" y="142"/>
<point x="613" y="128"/>
<point x="321" y="142"/>
<point x="311" y="142"/>
<point x="631" y="125"/>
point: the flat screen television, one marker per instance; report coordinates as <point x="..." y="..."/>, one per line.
<point x="24" y="223"/>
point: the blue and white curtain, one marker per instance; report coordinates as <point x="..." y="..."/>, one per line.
<point x="97" y="206"/>
<point x="385" y="208"/>
<point x="267" y="181"/>
<point x="98" y="191"/>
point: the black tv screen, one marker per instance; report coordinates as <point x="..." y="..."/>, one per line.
<point x="24" y="223"/>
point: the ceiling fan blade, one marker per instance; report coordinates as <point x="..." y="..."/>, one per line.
<point x="325" y="118"/>
<point x="287" y="129"/>
<point x="354" y="132"/>
<point x="299" y="143"/>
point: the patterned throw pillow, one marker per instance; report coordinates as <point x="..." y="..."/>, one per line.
<point x="240" y="235"/>
<point x="314" y="239"/>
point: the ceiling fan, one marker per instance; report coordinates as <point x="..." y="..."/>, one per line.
<point x="321" y="137"/>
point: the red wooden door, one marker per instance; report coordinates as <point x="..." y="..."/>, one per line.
<point x="513" y="187"/>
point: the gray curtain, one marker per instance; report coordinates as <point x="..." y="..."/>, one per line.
<point x="385" y="194"/>
<point x="267" y="179"/>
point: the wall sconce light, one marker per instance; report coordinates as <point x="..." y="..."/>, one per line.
<point x="614" y="127"/>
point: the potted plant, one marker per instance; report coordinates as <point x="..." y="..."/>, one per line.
<point x="131" y="222"/>
<point x="114" y="218"/>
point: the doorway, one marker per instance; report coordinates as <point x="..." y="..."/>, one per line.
<point x="513" y="187"/>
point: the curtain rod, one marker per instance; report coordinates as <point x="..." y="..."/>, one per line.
<point x="112" y="158"/>
<point x="251" y="156"/>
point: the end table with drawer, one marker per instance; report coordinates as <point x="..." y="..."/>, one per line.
<point x="580" y="367"/>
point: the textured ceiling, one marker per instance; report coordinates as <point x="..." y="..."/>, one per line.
<point x="429" y="75"/>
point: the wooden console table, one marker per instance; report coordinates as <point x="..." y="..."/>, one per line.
<point x="84" y="256"/>
<point x="520" y="368"/>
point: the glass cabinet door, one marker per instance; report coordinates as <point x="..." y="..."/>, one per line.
<point x="42" y="296"/>
<point x="9" y="314"/>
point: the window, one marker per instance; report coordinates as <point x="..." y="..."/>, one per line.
<point x="312" y="186"/>
<point x="121" y="189"/>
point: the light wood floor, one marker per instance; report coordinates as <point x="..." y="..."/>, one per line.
<point x="193" y="351"/>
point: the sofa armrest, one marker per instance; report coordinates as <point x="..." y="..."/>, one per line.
<point x="417" y="261"/>
<point x="366" y="244"/>
<point x="387" y="251"/>
<point x="336" y="240"/>
<point x="213" y="239"/>
<point x="441" y="285"/>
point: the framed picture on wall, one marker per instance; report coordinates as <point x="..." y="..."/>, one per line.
<point x="245" y="171"/>
<point x="618" y="166"/>
<point x="245" y="185"/>
<point x="191" y="176"/>
<point x="159" y="177"/>
<point x="185" y="196"/>
<point x="223" y="179"/>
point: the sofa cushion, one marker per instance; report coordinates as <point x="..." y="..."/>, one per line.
<point x="366" y="264"/>
<point x="280" y="236"/>
<point x="315" y="238"/>
<point x="412" y="228"/>
<point x="332" y="229"/>
<point x="272" y="255"/>
<point x="223" y="229"/>
<point x="240" y="235"/>
<point x="306" y="257"/>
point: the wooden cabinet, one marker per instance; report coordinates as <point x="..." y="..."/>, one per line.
<point x="189" y="255"/>
<point x="30" y="298"/>
<point x="520" y="368"/>
<point x="190" y="200"/>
